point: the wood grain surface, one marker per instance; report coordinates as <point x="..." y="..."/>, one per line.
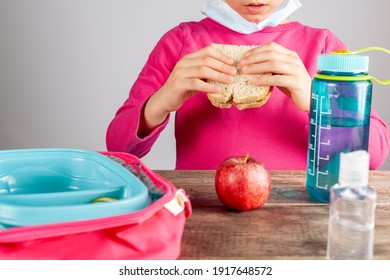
<point x="288" y="226"/>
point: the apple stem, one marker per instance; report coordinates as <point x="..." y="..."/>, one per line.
<point x="246" y="158"/>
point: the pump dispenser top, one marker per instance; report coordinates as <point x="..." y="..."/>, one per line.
<point x="354" y="169"/>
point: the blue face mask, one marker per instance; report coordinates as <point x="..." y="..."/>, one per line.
<point x="222" y="13"/>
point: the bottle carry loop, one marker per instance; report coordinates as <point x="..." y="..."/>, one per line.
<point x="356" y="78"/>
<point x="345" y="78"/>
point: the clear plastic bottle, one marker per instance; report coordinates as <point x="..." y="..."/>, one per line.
<point x="352" y="210"/>
<point x="339" y="118"/>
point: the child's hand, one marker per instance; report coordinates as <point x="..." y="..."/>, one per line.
<point x="191" y="73"/>
<point x="289" y="72"/>
<point x="189" y="77"/>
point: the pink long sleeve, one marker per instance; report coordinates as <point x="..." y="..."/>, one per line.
<point x="378" y="143"/>
<point x="122" y="131"/>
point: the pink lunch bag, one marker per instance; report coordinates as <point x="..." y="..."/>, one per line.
<point x="154" y="232"/>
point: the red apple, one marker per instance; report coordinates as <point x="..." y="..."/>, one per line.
<point x="242" y="183"/>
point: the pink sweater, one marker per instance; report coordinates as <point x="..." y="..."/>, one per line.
<point x="276" y="133"/>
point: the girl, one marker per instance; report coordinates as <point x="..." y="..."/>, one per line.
<point x="174" y="79"/>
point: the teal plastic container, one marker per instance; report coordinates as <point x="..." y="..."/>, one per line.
<point x="40" y="186"/>
<point x="339" y="118"/>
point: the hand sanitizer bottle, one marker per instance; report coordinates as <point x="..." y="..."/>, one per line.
<point x="352" y="210"/>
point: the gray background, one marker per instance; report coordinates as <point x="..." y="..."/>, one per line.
<point x="67" y="66"/>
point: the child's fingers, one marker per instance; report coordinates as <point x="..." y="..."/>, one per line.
<point x="284" y="80"/>
<point x="296" y="87"/>
<point x="198" y="85"/>
<point x="202" y="72"/>
<point x="205" y="67"/>
<point x="209" y="57"/>
<point x="274" y="80"/>
<point x="270" y="52"/>
<point x="270" y="48"/>
<point x="212" y="52"/>
<point x="214" y="64"/>
<point x="275" y="67"/>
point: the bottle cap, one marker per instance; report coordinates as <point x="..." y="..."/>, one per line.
<point x="343" y="62"/>
<point x="354" y="169"/>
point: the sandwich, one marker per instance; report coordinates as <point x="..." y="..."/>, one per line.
<point x="241" y="93"/>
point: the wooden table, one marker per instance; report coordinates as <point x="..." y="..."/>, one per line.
<point x="288" y="226"/>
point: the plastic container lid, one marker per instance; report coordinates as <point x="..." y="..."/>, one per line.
<point x="40" y="186"/>
<point x="344" y="63"/>
<point x="354" y="169"/>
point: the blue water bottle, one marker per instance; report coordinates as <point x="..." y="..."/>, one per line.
<point x="339" y="118"/>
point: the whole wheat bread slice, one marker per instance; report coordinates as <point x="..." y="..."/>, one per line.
<point x="241" y="93"/>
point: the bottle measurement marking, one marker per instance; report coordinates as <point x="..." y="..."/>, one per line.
<point x="313" y="122"/>
<point x="317" y="141"/>
<point x="327" y="143"/>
